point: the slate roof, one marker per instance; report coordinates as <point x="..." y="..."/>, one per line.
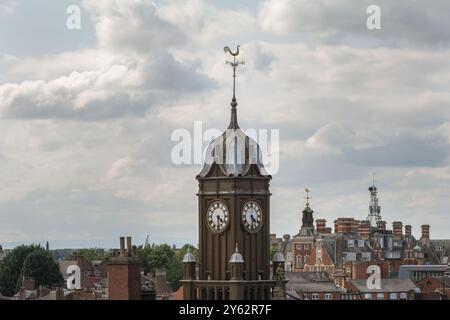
<point x="310" y="282"/>
<point x="387" y="285"/>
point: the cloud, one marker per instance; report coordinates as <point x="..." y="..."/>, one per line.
<point x="404" y="23"/>
<point x="347" y="103"/>
<point x="7" y="7"/>
<point x="136" y="70"/>
<point x="132" y="25"/>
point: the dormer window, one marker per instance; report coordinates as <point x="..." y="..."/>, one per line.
<point x="350" y="243"/>
<point x="350" y="256"/>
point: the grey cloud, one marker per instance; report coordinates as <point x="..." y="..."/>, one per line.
<point x="404" y="22"/>
<point x="403" y="151"/>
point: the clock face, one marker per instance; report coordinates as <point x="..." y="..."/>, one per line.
<point x="218" y="216"/>
<point x="252" y="216"/>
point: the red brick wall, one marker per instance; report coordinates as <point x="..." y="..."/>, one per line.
<point x="124" y="281"/>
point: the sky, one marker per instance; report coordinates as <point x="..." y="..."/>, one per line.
<point x="86" y="115"/>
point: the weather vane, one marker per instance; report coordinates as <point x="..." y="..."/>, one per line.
<point x="235" y="63"/>
<point x="307" y="196"/>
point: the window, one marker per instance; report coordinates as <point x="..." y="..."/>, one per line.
<point x="305" y="259"/>
<point x="350" y="243"/>
<point x="366" y="256"/>
<point x="298" y="261"/>
<point x="328" y="296"/>
<point x="398" y="244"/>
<point x="351" y="256"/>
<point x="380" y="296"/>
<point x="393" y="296"/>
<point x="403" y="296"/>
<point x="368" y="296"/>
<point x="360" y="243"/>
<point x="315" y="296"/>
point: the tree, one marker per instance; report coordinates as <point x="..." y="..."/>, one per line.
<point x="11" y="268"/>
<point x="165" y="257"/>
<point x="156" y="257"/>
<point x="274" y="249"/>
<point x="40" y="266"/>
<point x="92" y="254"/>
<point x="175" y="266"/>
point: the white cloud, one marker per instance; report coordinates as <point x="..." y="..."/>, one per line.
<point x="130" y="71"/>
<point x="7" y="7"/>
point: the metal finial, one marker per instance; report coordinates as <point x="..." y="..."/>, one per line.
<point x="236" y="248"/>
<point x="373" y="178"/>
<point x="234" y="64"/>
<point x="307" y="196"/>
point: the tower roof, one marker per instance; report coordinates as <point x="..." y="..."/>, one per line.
<point x="236" y="257"/>
<point x="233" y="151"/>
<point x="188" y="257"/>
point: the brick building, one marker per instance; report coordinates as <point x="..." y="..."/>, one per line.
<point x="311" y="286"/>
<point x="432" y="288"/>
<point x="346" y="253"/>
<point x="92" y="272"/>
<point x="391" y="289"/>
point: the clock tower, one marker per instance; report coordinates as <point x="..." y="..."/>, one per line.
<point x="234" y="213"/>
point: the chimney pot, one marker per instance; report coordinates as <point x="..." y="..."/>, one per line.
<point x="408" y="230"/>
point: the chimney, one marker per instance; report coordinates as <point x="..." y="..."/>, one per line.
<point x="129" y="247"/>
<point x="161" y="287"/>
<point x="397" y="230"/>
<point x="59" y="293"/>
<point x="28" y="283"/>
<point x="345" y="225"/>
<point x="407" y="230"/>
<point x="122" y="246"/>
<point x="43" y="291"/>
<point x="381" y="225"/>
<point x="425" y="238"/>
<point x="364" y="229"/>
<point x="321" y="225"/>
<point x="124" y="274"/>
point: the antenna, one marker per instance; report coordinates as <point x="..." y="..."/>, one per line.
<point x="374" y="209"/>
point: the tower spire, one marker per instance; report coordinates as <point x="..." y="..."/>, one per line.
<point x="234" y="64"/>
<point x="307" y="196"/>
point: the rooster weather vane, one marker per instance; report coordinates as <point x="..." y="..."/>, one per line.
<point x="234" y="64"/>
